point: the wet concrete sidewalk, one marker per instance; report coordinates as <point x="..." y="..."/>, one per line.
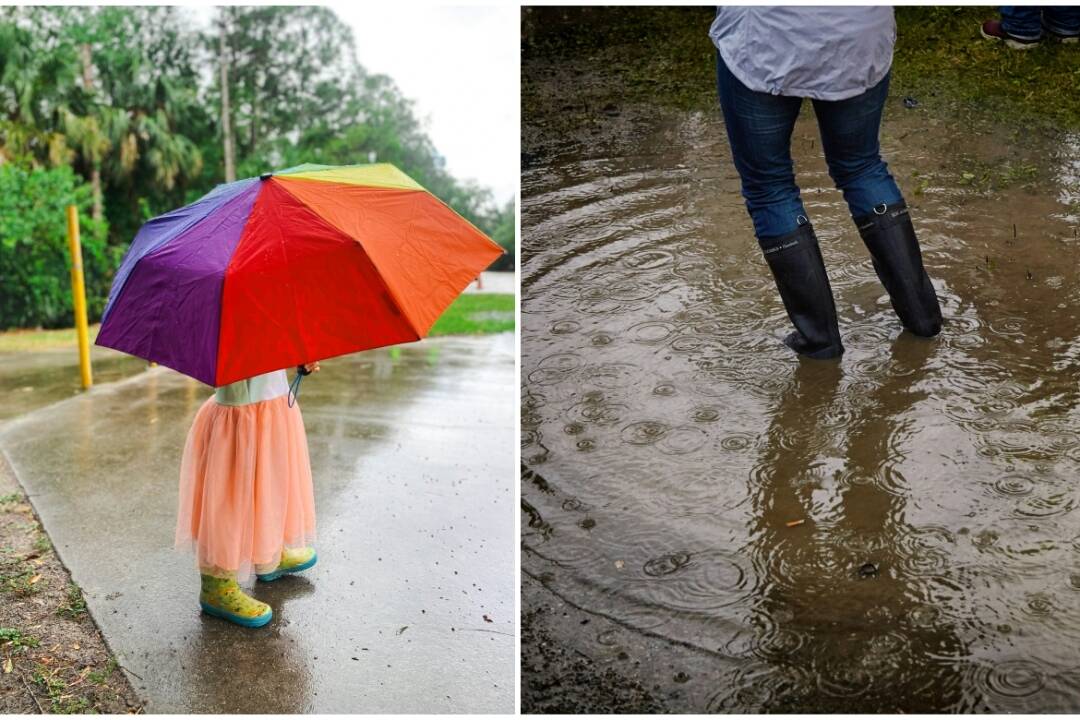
<point x="411" y="607"/>
<point x="31" y="379"/>
<point x="494" y="283"/>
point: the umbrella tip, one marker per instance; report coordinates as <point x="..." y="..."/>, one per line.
<point x="266" y="176"/>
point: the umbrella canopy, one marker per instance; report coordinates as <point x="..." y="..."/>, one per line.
<point x="291" y="267"/>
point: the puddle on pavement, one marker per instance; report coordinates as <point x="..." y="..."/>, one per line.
<point x="30" y="380"/>
<point x="673" y="444"/>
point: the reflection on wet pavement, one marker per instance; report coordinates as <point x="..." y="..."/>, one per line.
<point x="411" y="606"/>
<point x="34" y="379"/>
<point x="896" y="532"/>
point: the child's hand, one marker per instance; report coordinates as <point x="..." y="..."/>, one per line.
<point x="312" y="367"/>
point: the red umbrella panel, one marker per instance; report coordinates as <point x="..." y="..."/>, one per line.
<point x="295" y="266"/>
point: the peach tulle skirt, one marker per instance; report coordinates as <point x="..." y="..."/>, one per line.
<point x="245" y="486"/>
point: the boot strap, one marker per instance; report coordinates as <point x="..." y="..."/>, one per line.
<point x="891" y="215"/>
<point x="801" y="237"/>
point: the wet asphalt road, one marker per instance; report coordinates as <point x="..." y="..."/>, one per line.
<point x="411" y="607"/>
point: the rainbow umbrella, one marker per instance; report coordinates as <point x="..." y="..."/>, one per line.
<point x="291" y="267"/>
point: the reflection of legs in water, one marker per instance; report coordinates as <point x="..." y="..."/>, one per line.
<point x="871" y="456"/>
<point x="849" y="136"/>
<point x="849" y="633"/>
<point x="792" y="580"/>
<point x="759" y="127"/>
<point x="890" y="638"/>
<point x="790" y="451"/>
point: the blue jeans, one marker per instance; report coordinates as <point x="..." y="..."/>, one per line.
<point x="759" y="127"/>
<point x="1026" y="21"/>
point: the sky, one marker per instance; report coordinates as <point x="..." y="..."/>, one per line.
<point x="460" y="65"/>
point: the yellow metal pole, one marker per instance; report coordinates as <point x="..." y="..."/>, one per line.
<point x="78" y="293"/>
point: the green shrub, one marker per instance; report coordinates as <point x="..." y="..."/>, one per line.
<point x="35" y="276"/>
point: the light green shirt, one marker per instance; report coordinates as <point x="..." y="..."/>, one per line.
<point x="256" y="389"/>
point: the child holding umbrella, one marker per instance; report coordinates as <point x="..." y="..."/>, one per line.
<point x="246" y="500"/>
<point x="259" y="274"/>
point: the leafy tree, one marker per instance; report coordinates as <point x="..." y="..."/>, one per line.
<point x="33" y="248"/>
<point x="148" y="101"/>
<point x="106" y="90"/>
<point x="289" y="67"/>
<point x="37" y="72"/>
<point x="504" y="232"/>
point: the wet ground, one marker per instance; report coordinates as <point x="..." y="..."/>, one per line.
<point x="33" y="379"/>
<point x="54" y="658"/>
<point x="722" y="527"/>
<point x="411" y="607"/>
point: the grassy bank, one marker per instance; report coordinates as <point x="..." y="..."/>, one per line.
<point x="663" y="56"/>
<point x="477" y="314"/>
<point x="53" y="659"/>
<point x="31" y="340"/>
<point x="940" y="54"/>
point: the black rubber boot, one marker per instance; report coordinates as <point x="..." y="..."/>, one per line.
<point x="799" y="272"/>
<point x="890" y="237"/>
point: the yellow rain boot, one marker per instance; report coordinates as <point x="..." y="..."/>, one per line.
<point x="223" y="598"/>
<point x="293" y="560"/>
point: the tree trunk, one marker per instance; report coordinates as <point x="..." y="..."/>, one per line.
<point x="226" y="123"/>
<point x="98" y="211"/>
<point x="254" y="110"/>
<point x="87" y="64"/>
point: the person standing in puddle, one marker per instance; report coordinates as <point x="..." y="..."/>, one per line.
<point x="246" y="499"/>
<point x="768" y="59"/>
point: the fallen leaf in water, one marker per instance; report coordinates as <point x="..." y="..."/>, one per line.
<point x="795" y="523"/>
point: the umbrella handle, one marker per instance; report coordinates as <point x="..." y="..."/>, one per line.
<point x="294" y="386"/>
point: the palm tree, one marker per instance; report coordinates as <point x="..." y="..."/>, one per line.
<point x="33" y="86"/>
<point x="85" y="135"/>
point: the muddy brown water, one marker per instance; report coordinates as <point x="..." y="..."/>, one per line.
<point x="671" y="440"/>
